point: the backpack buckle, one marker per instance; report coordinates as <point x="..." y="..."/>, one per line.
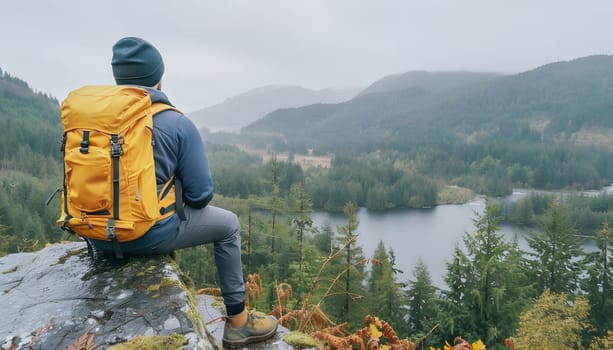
<point x="85" y="142"/>
<point x="110" y="234"/>
<point x="116" y="149"/>
<point x="110" y="230"/>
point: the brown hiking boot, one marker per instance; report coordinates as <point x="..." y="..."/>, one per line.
<point x="259" y="327"/>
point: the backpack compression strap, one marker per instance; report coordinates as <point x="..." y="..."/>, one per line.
<point x="156" y="108"/>
<point x="116" y="152"/>
<point x="177" y="205"/>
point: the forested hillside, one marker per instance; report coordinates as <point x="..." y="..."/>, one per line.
<point x="29" y="123"/>
<point x="548" y="103"/>
<point x="30" y="134"/>
<point x="562" y="97"/>
<point x="547" y="128"/>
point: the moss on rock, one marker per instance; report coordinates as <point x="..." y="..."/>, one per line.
<point x="158" y="342"/>
<point x="300" y="340"/>
<point x="69" y="254"/>
<point x="168" y="282"/>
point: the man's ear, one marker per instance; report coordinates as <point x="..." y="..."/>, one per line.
<point x="158" y="86"/>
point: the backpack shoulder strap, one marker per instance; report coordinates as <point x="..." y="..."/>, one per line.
<point x="158" y="107"/>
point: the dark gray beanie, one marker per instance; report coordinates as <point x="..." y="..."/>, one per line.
<point x="136" y="62"/>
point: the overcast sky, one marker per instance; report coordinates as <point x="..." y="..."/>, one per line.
<point x="217" y="49"/>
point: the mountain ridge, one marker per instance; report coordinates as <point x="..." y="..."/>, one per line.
<point x="239" y="110"/>
<point x="546" y="103"/>
<point x="433" y="81"/>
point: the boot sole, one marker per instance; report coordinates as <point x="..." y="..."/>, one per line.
<point x="248" y="340"/>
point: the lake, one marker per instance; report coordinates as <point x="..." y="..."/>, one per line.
<point x="430" y="234"/>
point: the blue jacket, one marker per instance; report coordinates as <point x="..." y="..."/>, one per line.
<point x="178" y="150"/>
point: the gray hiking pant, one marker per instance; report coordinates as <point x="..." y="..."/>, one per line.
<point x="220" y="227"/>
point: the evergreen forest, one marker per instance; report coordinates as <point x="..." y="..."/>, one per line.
<point x="553" y="295"/>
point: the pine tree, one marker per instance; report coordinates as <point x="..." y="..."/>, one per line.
<point x="345" y="306"/>
<point x="386" y="299"/>
<point x="301" y="208"/>
<point x="275" y="204"/>
<point x="456" y="317"/>
<point x="349" y="237"/>
<point x="599" y="281"/>
<point x="248" y="241"/>
<point x="324" y="239"/>
<point x="421" y="301"/>
<point x="486" y="283"/>
<point x="555" y="252"/>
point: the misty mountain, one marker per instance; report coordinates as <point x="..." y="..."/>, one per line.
<point x="429" y="81"/>
<point x="372" y="117"/>
<point x="552" y="102"/>
<point x="240" y="110"/>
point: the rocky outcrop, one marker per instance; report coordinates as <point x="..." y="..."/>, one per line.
<point x="60" y="298"/>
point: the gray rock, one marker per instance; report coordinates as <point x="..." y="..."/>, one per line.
<point x="59" y="296"/>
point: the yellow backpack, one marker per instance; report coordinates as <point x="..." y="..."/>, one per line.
<point x="110" y="190"/>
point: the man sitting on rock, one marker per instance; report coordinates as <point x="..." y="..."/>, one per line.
<point x="179" y="152"/>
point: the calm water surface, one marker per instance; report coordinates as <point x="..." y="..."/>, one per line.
<point x="430" y="234"/>
<point x="412" y="233"/>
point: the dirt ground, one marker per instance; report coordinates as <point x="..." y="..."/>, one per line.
<point x="304" y="160"/>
